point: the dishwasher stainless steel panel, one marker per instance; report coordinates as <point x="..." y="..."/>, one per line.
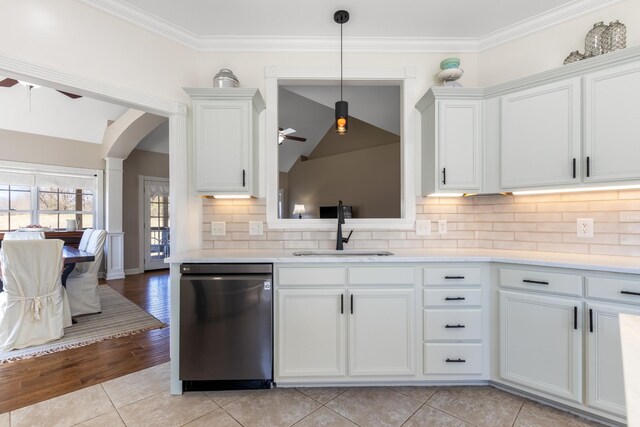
<point x="226" y="319"/>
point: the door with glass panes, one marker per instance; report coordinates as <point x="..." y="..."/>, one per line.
<point x="156" y="227"/>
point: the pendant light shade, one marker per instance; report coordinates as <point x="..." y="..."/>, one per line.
<point x="342" y="107"/>
<point x="342" y="113"/>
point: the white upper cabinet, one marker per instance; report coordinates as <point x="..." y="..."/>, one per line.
<point x="451" y="140"/>
<point x="612" y="110"/>
<point x="540" y="136"/>
<point x="225" y="135"/>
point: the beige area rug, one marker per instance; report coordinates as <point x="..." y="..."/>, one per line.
<point x="119" y="317"/>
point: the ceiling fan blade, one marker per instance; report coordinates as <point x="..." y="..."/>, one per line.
<point x="70" y="95"/>
<point x="8" y="82"/>
<point x="287" y="131"/>
<point x="295" y="138"/>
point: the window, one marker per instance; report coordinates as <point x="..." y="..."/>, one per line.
<point x="57" y="205"/>
<point x="15" y="206"/>
<point x="49" y="196"/>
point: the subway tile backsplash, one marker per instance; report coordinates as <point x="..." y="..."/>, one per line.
<point x="533" y="223"/>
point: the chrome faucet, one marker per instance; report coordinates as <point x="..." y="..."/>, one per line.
<point x="340" y="240"/>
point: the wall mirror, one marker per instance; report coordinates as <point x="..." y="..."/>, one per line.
<point x="310" y="167"/>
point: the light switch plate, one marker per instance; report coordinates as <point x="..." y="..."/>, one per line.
<point x="256" y="228"/>
<point x="584" y="227"/>
<point x="423" y="227"/>
<point x="442" y="226"/>
<point x="218" y="229"/>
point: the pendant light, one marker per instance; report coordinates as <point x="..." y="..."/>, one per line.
<point x="342" y="107"/>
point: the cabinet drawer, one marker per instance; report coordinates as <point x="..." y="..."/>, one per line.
<point x="453" y="358"/>
<point x="383" y="275"/>
<point x="621" y="290"/>
<point x="452" y="297"/>
<point x="452" y="325"/>
<point x="541" y="281"/>
<point x="452" y="276"/>
<point x="311" y="276"/>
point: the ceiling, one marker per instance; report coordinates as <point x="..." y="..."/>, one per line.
<point x="310" y="111"/>
<point x="54" y="114"/>
<point x="369" y="18"/>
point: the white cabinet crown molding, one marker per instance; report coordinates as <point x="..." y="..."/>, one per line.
<point x="228" y="93"/>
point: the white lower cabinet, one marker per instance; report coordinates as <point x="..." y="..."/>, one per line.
<point x="453" y="359"/>
<point x="541" y="343"/>
<point x="381" y="332"/>
<point x="331" y="333"/>
<point x="453" y="322"/>
<point x="605" y="382"/>
<point x="312" y="333"/>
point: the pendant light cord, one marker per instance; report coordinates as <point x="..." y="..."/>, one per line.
<point x="341" y="62"/>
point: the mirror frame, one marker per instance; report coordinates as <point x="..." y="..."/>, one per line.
<point x="406" y="77"/>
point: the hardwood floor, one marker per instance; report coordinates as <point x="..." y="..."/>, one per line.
<point x="29" y="381"/>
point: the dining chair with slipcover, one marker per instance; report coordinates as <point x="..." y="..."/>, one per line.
<point x="33" y="307"/>
<point x="23" y="235"/>
<point x="82" y="283"/>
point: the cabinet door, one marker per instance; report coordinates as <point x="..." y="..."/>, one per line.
<point x="605" y="380"/>
<point x="221" y="135"/>
<point x="381" y="332"/>
<point x="540" y="136"/>
<point x="311" y="338"/>
<point x="541" y="343"/>
<point x="459" y="144"/>
<point x="612" y="103"/>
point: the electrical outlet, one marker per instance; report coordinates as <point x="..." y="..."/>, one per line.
<point x="584" y="227"/>
<point x="442" y="226"/>
<point x="423" y="227"/>
<point x="218" y="229"/>
<point x="256" y="228"/>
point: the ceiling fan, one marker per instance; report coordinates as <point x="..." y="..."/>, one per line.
<point x="12" y="82"/>
<point x="286" y="134"/>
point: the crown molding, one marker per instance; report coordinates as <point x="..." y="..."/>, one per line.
<point x="152" y="23"/>
<point x="541" y="21"/>
<point x="332" y="44"/>
<point x="139" y="17"/>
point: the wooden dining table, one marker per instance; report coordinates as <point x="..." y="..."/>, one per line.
<point x="71" y="257"/>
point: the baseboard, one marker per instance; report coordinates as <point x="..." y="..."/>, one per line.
<point x="130" y="271"/>
<point x="558" y="405"/>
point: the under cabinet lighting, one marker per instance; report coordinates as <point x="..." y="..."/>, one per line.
<point x="230" y="196"/>
<point x="576" y="190"/>
<point x="445" y="195"/>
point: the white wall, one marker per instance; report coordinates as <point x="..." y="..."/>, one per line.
<point x="548" y="48"/>
<point x="70" y="36"/>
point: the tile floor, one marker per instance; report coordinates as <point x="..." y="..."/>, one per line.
<point x="142" y="399"/>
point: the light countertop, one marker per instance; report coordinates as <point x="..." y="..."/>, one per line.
<point x="616" y="264"/>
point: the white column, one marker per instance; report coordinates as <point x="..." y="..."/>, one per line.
<point x="114" y="248"/>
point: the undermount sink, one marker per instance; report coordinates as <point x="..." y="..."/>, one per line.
<point x="342" y="253"/>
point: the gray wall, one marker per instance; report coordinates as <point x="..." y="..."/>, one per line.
<point x="138" y="163"/>
<point x="368" y="179"/>
<point x="48" y="150"/>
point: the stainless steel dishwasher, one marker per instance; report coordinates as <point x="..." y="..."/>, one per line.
<point x="226" y="326"/>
